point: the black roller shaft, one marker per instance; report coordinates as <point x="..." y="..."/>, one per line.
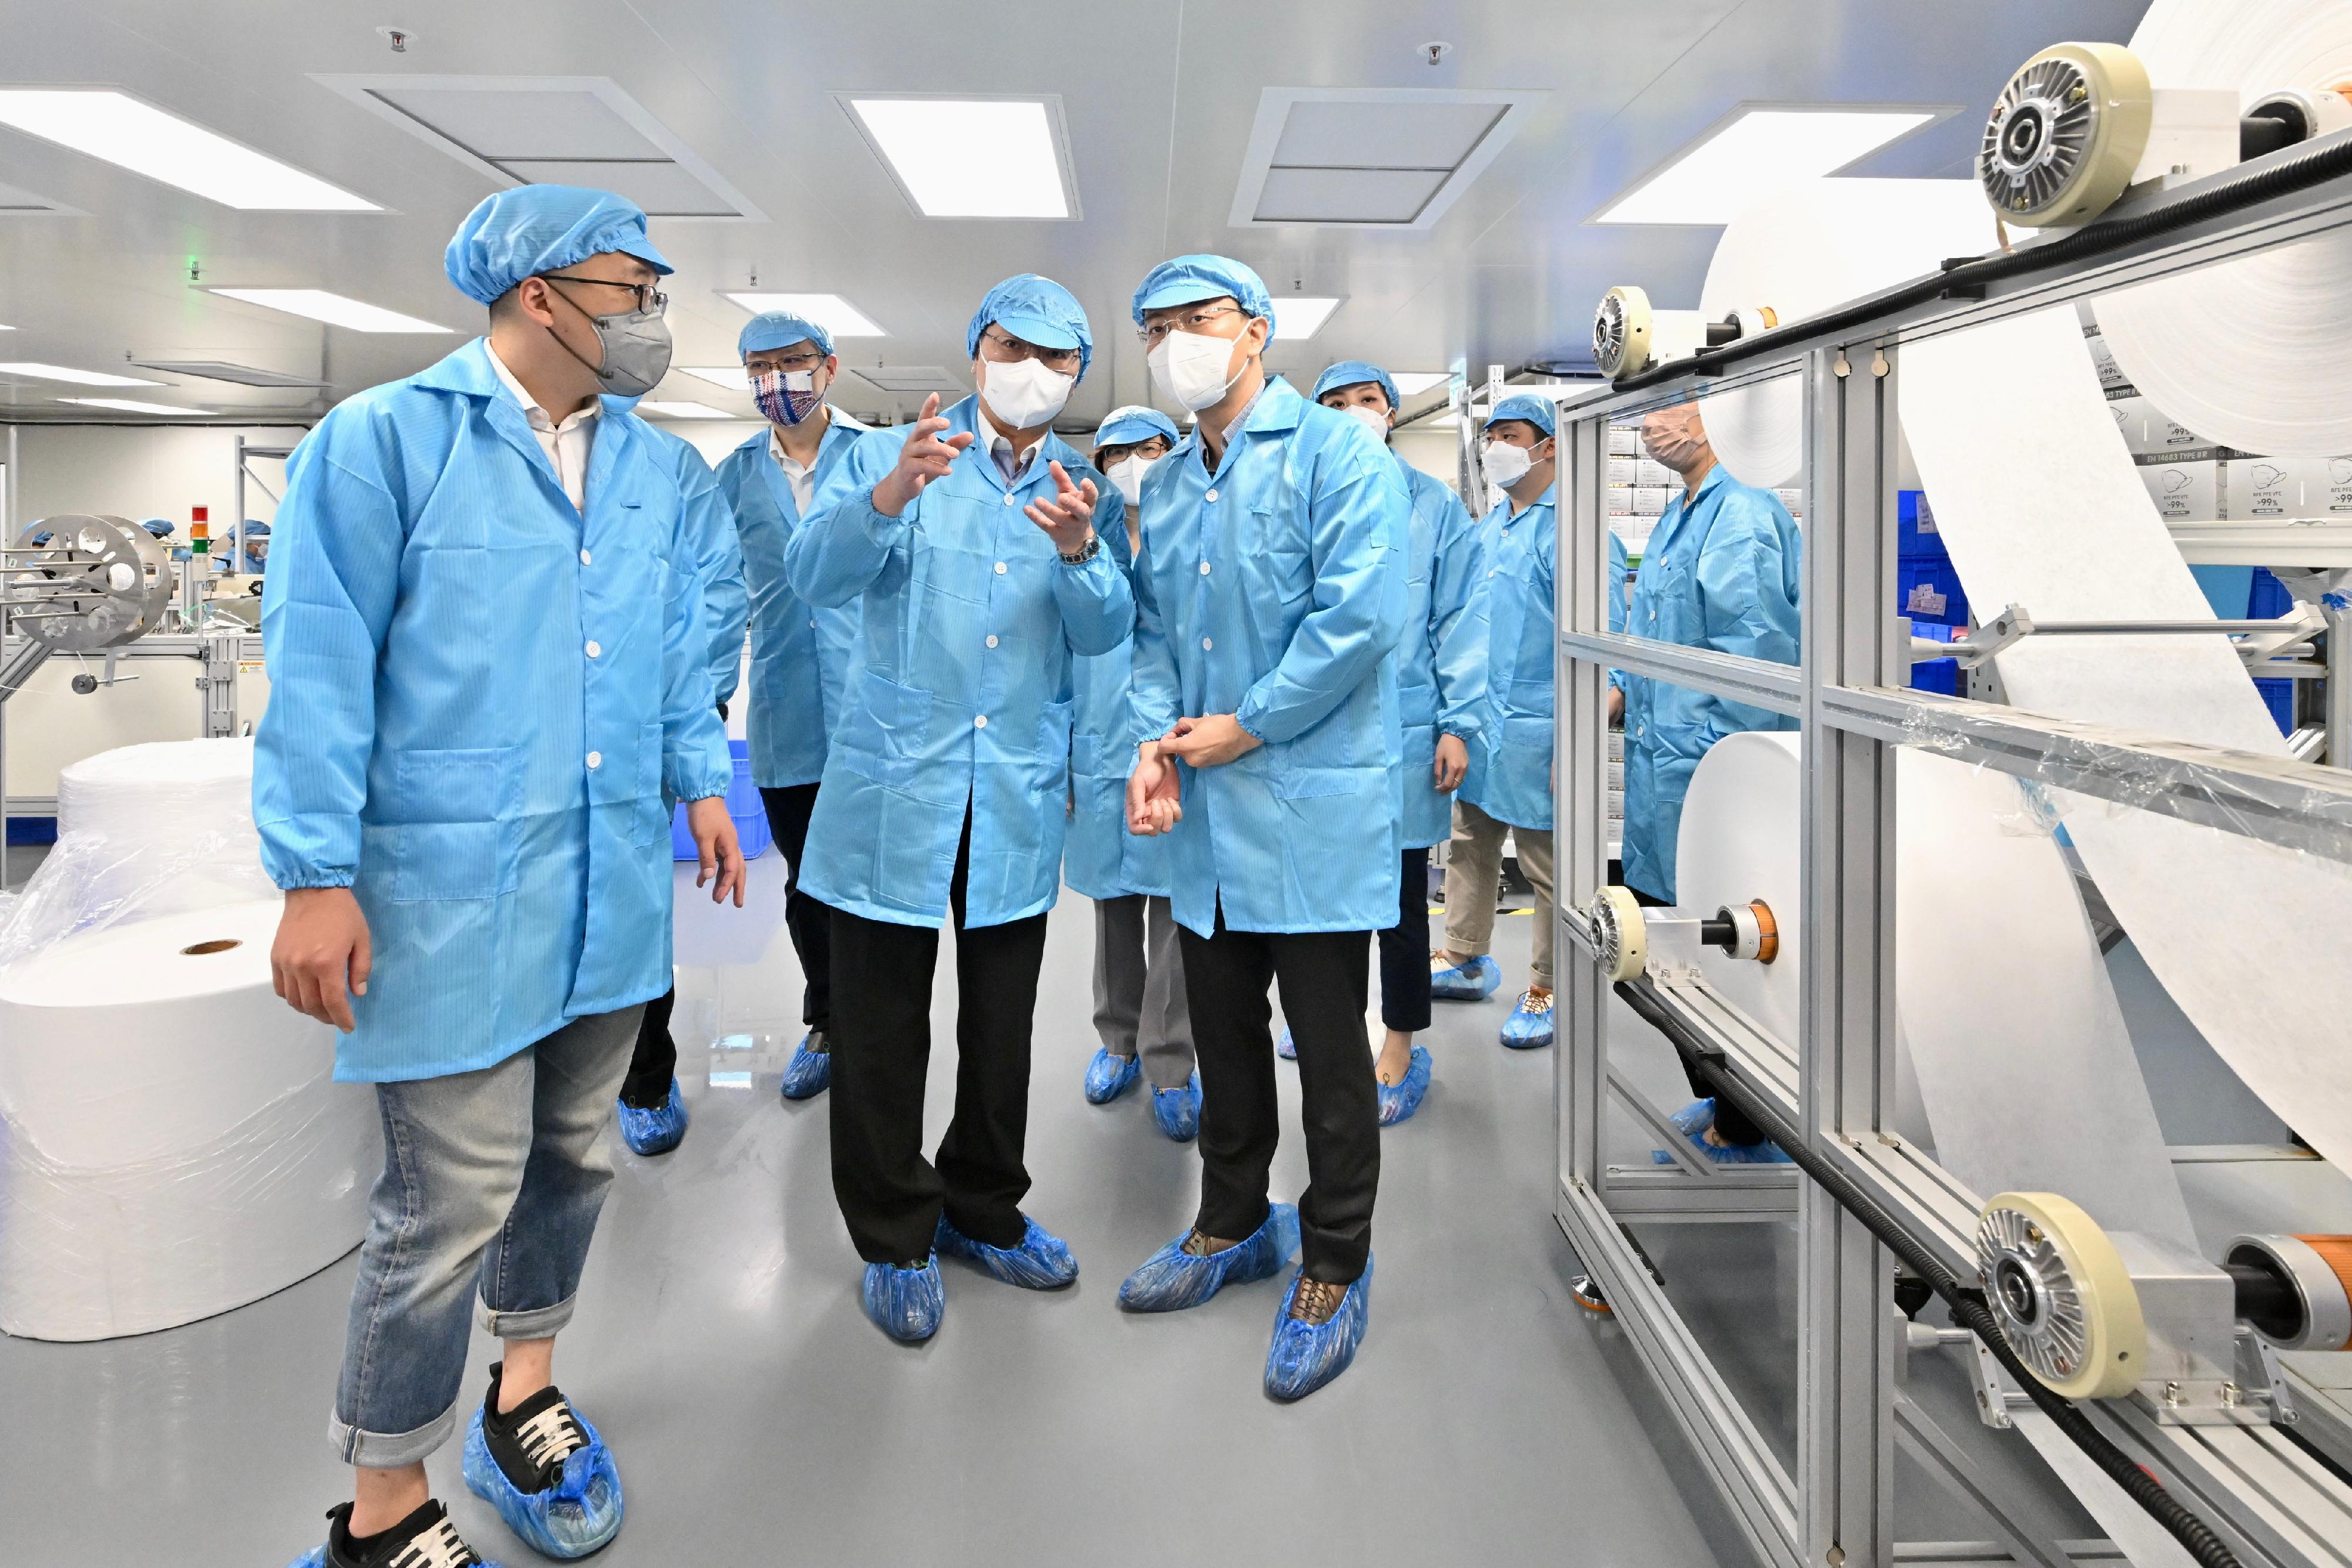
<point x="2266" y="1297"/>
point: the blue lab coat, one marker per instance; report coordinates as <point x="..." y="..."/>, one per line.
<point x="1275" y="590"/>
<point x="1722" y="572"/>
<point x="1442" y="656"/>
<point x="1102" y="859"/>
<point x="800" y="654"/>
<point x="718" y="554"/>
<point x="963" y="694"/>
<point x="441" y="739"/>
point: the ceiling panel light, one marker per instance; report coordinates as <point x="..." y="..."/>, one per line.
<point x="1755" y="150"/>
<point x="1411" y="384"/>
<point x="931" y="145"/>
<point x="1370" y="157"/>
<point x="146" y="141"/>
<point x="1302" y="315"/>
<point x="830" y="311"/>
<point x="731" y="377"/>
<point x="662" y="409"/>
<point x="29" y="371"/>
<point x="132" y="405"/>
<point x="332" y="308"/>
<point x="227" y="371"/>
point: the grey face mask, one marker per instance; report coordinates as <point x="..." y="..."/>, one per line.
<point x="636" y="351"/>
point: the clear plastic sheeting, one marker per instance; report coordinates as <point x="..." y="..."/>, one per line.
<point x="143" y="831"/>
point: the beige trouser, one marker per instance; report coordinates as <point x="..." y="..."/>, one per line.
<point x="1474" y="877"/>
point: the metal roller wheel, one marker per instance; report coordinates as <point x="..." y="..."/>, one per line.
<point x="2065" y="135"/>
<point x="2062" y="1295"/>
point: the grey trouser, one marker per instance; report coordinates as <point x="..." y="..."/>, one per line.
<point x="1140" y="988"/>
<point x="1474" y="876"/>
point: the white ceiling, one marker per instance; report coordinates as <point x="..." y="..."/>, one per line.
<point x="1160" y="101"/>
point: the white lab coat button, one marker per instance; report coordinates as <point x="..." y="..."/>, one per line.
<point x="992" y="638"/>
<point x="979" y="722"/>
<point x="1008" y="497"/>
<point x="596" y="760"/>
<point x="1204" y="569"/>
<point x="1206" y="644"/>
<point x="594" y="649"/>
<point x="585" y="557"/>
<point x="1000" y="569"/>
<point x="812" y="625"/>
<point x="1210" y="496"/>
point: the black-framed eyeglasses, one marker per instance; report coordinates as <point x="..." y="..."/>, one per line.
<point x="1009" y="349"/>
<point x="648" y="296"/>
<point x="1189" y="322"/>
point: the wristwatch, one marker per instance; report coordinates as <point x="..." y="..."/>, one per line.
<point x="1091" y="549"/>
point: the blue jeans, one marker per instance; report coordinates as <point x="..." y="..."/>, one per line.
<point x="491" y="1178"/>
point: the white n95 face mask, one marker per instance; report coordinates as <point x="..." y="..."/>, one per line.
<point x="1372" y="419"/>
<point x="1505" y="464"/>
<point x="1190" y="368"/>
<point x="1024" y="393"/>
<point x="1127" y="477"/>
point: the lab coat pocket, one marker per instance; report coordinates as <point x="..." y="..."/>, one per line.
<point x="1054" y="759"/>
<point x="1532" y="734"/>
<point x="1278" y="555"/>
<point x="883" y="735"/>
<point x="1318" y="783"/>
<point x="649" y="812"/>
<point x="1087" y="756"/>
<point x="456" y="835"/>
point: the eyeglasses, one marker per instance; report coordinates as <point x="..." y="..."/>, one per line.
<point x="1005" y="350"/>
<point x="1191" y="321"/>
<point x="649" y="296"/>
<point x="790" y="362"/>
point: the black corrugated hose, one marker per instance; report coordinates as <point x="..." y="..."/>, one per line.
<point x="2280" y="173"/>
<point x="1967" y="1304"/>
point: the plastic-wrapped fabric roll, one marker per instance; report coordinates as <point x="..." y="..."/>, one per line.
<point x="2250" y="353"/>
<point x="171" y="1144"/>
<point x="1803" y="251"/>
<point x="2028" y="1085"/>
<point x="142" y="832"/>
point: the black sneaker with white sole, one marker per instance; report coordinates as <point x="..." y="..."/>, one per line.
<point x="531" y="1441"/>
<point x="426" y="1539"/>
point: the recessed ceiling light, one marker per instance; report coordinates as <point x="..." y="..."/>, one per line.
<point x="662" y="409"/>
<point x="332" y="308"/>
<point x="830" y="311"/>
<point x="1302" y="315"/>
<point x="931" y="145"/>
<point x="1754" y="151"/>
<point x="146" y="141"/>
<point x="731" y="377"/>
<point x="1411" y="384"/>
<point x="132" y="405"/>
<point x="31" y="370"/>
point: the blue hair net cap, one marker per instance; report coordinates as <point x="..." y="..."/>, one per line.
<point x="1193" y="277"/>
<point x="255" y="528"/>
<point x="780" y="329"/>
<point x="1126" y="426"/>
<point x="1036" y="311"/>
<point x="1355" y="373"/>
<point x="1536" y="411"/>
<point x="158" y="527"/>
<point x="532" y="229"/>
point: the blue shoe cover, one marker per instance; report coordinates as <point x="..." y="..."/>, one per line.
<point x="1400" y="1100"/>
<point x="1305" y="1356"/>
<point x="1286" y="1048"/>
<point x="808" y="1073"/>
<point x="658" y="1131"/>
<point x="906" y="1303"/>
<point x="1693" y="1121"/>
<point x="1472" y="982"/>
<point x="1178" y="1111"/>
<point x="1109" y="1075"/>
<point x="1172" y="1278"/>
<point x="1531" y="1023"/>
<point x="578" y="1515"/>
<point x="1042" y="1261"/>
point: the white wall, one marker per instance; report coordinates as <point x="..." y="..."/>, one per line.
<point x="714" y="438"/>
<point x="143" y="470"/>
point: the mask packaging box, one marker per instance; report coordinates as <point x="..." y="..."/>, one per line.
<point x="1621" y="470"/>
<point x="1650" y="471"/>
<point x="1649" y="500"/>
<point x="2183" y="492"/>
<point x="2166" y="433"/>
<point x="1792" y="497"/>
<point x="2111" y="376"/>
<point x="2329" y="490"/>
<point x="2131" y="419"/>
<point x="1624" y="441"/>
<point x="2274" y="488"/>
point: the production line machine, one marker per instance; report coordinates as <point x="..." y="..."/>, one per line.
<point x="2186" y="1389"/>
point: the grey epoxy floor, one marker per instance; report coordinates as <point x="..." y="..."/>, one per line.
<point x="759" y="1419"/>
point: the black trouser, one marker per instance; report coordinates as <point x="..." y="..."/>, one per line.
<point x="889" y="1195"/>
<point x="1323" y="974"/>
<point x="1404" y="951"/>
<point x="650" y="1069"/>
<point x="808" y="921"/>
<point x="1731" y="1124"/>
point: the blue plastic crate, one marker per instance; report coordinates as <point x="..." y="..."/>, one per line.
<point x="1929" y="590"/>
<point x="743" y="804"/>
<point x="1935" y="674"/>
<point x="1913" y="541"/>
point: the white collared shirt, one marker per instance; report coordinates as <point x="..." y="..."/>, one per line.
<point x="1000" y="447"/>
<point x="568" y="444"/>
<point x="801" y="476"/>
